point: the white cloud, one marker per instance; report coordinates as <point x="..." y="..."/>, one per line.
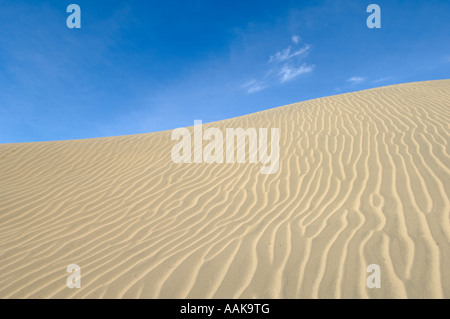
<point x="253" y="86"/>
<point x="284" y="66"/>
<point x="286" y="54"/>
<point x="288" y="72"/>
<point x="356" y="79"/>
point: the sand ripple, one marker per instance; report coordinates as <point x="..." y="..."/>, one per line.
<point x="364" y="179"/>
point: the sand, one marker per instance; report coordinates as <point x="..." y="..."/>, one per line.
<point x="364" y="178"/>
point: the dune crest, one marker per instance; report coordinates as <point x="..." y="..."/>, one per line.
<point x="364" y="178"/>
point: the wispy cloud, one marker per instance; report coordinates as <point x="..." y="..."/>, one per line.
<point x="356" y="79"/>
<point x="288" y="72"/>
<point x="283" y="66"/>
<point x="287" y="55"/>
<point x="287" y="63"/>
<point x="253" y="86"/>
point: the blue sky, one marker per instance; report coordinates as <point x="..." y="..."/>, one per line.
<point x="145" y="66"/>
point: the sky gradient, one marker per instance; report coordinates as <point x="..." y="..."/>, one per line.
<point x="145" y="66"/>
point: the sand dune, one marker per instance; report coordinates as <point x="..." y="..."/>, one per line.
<point x="364" y="179"/>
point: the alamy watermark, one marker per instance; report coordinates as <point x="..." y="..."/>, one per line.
<point x="74" y="279"/>
<point x="213" y="152"/>
<point x="74" y="20"/>
<point x="374" y="280"/>
<point x="374" y="20"/>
